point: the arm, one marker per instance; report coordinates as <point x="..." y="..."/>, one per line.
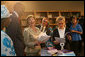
<point x="79" y="31"/>
<point x="55" y="35"/>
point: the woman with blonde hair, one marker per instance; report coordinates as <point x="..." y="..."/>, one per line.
<point x="31" y="38"/>
<point x="45" y="29"/>
<point x="59" y="31"/>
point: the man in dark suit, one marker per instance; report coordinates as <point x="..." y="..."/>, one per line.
<point x="14" y="29"/>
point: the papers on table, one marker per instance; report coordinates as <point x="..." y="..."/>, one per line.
<point x="59" y="52"/>
<point x="45" y="52"/>
<point x="43" y="37"/>
<point x="68" y="54"/>
<point x="53" y="51"/>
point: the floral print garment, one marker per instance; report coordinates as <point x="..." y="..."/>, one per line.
<point x="7" y="48"/>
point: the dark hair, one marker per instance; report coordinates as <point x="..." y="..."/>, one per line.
<point x="74" y="17"/>
<point x="4" y="22"/>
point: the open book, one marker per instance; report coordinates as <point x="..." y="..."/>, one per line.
<point x="61" y="40"/>
<point x="43" y="37"/>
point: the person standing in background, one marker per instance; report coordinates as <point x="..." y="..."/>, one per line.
<point x="44" y="25"/>
<point x="14" y="29"/>
<point x="76" y="31"/>
<point x="7" y="47"/>
<point x="45" y="28"/>
<point x="81" y="22"/>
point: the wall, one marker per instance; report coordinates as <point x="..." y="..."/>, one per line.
<point x="54" y="5"/>
<point x="50" y="5"/>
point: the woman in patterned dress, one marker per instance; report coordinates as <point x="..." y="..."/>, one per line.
<point x="7" y="48"/>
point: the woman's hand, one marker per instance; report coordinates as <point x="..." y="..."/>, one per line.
<point x="38" y="47"/>
<point x="69" y="37"/>
<point x="50" y="48"/>
<point x="36" y="37"/>
<point x="73" y="31"/>
<point x="37" y="43"/>
<point x="56" y="42"/>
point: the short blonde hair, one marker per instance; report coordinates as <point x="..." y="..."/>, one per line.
<point x="60" y="18"/>
<point x="28" y="19"/>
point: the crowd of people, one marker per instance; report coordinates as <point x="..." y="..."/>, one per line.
<point x="16" y="43"/>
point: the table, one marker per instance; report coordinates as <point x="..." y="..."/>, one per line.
<point x="45" y="53"/>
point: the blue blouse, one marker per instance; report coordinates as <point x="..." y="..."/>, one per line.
<point x="7" y="48"/>
<point x="76" y="36"/>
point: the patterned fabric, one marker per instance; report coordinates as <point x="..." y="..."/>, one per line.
<point x="4" y="12"/>
<point x="51" y="31"/>
<point x="7" y="48"/>
<point x="49" y="43"/>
